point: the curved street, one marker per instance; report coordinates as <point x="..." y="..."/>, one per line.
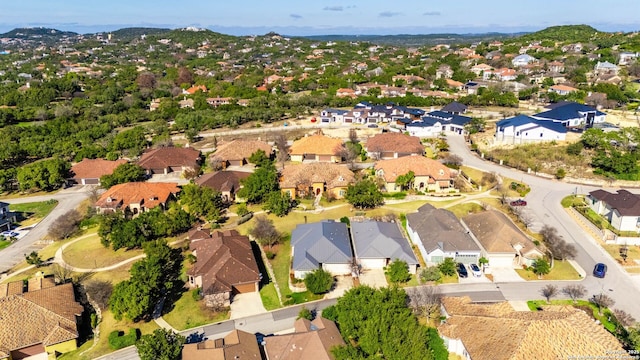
<point x="68" y="199"/>
<point x="544" y="206"/>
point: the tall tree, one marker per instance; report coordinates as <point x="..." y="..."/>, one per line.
<point x="162" y="344"/>
<point x="123" y="174"/>
<point x="202" y="201"/>
<point x="364" y="194"/>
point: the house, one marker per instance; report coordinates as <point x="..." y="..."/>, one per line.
<point x="525" y="129"/>
<point x="332" y="115"/>
<point x="572" y="114"/>
<point x="345" y="92"/>
<point x="39" y="320"/>
<point x="555" y="332"/>
<point x="225" y="182"/>
<point x="457" y="85"/>
<point x="480" y="69"/>
<point x="310" y="340"/>
<point x="376" y="244"/>
<point x="444" y="71"/>
<point x="186" y="103"/>
<point x="317" y="147"/>
<point x="429" y="175"/>
<point x="321" y="245"/>
<point x="392" y="145"/>
<point x="562" y="89"/>
<point x="437" y="122"/>
<point x="6" y="217"/>
<point x="316" y="179"/>
<point x="439" y="234"/>
<point x="89" y="171"/>
<point x="522" y="60"/>
<point x="237" y="344"/>
<point x="194" y="89"/>
<point x="621" y="209"/>
<point x="136" y="197"/>
<point x="556" y="66"/>
<point x="626" y="58"/>
<point x="238" y="152"/>
<point x="503" y="244"/>
<point x="225" y="266"/>
<point x="606" y="68"/>
<point x="454" y="108"/>
<point x="170" y="159"/>
<point x="217" y="101"/>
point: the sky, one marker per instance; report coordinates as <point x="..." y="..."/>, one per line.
<point x="320" y="17"/>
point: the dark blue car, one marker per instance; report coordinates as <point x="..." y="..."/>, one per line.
<point x="462" y="270"/>
<point x="600" y="270"/>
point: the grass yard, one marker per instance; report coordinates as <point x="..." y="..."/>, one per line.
<point x="465" y="209"/>
<point x="453" y="279"/>
<point x="188" y="313"/>
<point x="107" y="325"/>
<point x="76" y="254"/>
<point x="32" y="213"/>
<point x="562" y="270"/>
<point x="4" y="244"/>
<point x="269" y="297"/>
<point x="633" y="255"/>
<point x="301" y="297"/>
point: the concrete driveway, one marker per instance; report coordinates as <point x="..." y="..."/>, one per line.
<point x="373" y="277"/>
<point x="505" y="274"/>
<point x="342" y="284"/>
<point x="246" y="305"/>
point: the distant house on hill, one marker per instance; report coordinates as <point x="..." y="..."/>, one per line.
<point x="89" y="171"/>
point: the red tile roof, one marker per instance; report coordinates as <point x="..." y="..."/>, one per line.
<point x="94" y="168"/>
<point x="395" y="142"/>
<point x="167" y="157"/>
<point x="149" y="195"/>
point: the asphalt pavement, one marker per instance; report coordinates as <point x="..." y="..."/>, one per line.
<point x="68" y="199"/>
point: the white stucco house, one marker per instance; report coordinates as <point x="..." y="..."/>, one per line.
<point x="525" y="129"/>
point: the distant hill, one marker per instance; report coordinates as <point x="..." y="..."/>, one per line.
<point x="564" y="33"/>
<point x="134" y="32"/>
<point x="415" y="40"/>
<point x="193" y="37"/>
<point x="37" y="32"/>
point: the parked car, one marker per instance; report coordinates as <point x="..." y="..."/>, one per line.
<point x="462" y="270"/>
<point x="518" y="202"/>
<point x="372" y="126"/>
<point x="475" y="270"/>
<point x="9" y="233"/>
<point x="600" y="270"/>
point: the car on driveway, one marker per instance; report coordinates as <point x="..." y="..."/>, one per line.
<point x="600" y="270"/>
<point x="475" y="270"/>
<point x="9" y="234"/>
<point x="462" y="270"/>
<point x="518" y="202"/>
<point x="372" y="126"/>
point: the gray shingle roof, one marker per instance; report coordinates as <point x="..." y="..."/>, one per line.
<point x="439" y="228"/>
<point x="325" y="242"/>
<point x="375" y="240"/>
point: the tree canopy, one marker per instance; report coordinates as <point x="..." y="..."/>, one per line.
<point x="364" y="194"/>
<point x="162" y="344"/>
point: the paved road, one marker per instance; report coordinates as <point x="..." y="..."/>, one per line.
<point x="544" y="206"/>
<point x="68" y="199"/>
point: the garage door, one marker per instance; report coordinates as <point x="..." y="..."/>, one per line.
<point x="244" y="288"/>
<point x="388" y="155"/>
<point x="467" y="259"/>
<point x="324" y="158"/>
<point x="437" y="259"/>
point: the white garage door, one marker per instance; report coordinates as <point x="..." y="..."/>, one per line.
<point x="504" y="261"/>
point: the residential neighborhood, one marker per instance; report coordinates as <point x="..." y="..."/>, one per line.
<point x="279" y="197"/>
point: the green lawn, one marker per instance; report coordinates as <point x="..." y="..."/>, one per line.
<point x="4" y="244"/>
<point x="32" y="213"/>
<point x="188" y="313"/>
<point x="301" y="297"/>
<point x="269" y="297"/>
<point x="76" y="254"/>
<point x="562" y="270"/>
<point x="464" y="209"/>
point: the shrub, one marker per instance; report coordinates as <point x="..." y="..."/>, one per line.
<point x="345" y="220"/>
<point x="242" y="210"/>
<point x="447" y="267"/>
<point x="318" y="281"/>
<point x="398" y="271"/>
<point x="270" y="254"/>
<point x="305" y="314"/>
<point x="560" y="173"/>
<point x="431" y="273"/>
<point x="117" y="339"/>
<point x="196" y="294"/>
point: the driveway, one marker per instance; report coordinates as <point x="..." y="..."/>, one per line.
<point x="342" y="284"/>
<point x="373" y="277"/>
<point x="247" y="304"/>
<point x="505" y="274"/>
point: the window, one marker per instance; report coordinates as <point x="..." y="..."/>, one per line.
<point x="541" y="134"/>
